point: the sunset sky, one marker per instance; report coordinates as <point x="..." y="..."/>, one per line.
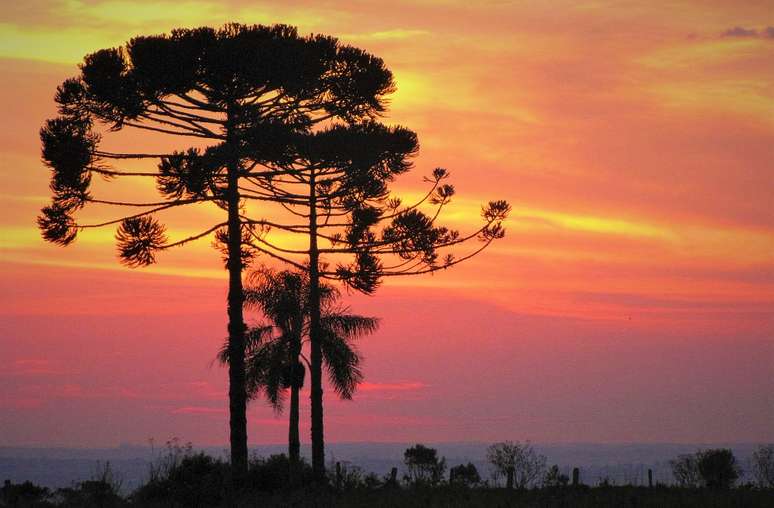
<point x="632" y="299"/>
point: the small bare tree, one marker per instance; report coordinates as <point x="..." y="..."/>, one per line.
<point x="519" y="463"/>
<point x="763" y="466"/>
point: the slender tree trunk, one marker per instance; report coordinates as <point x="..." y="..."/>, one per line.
<point x="318" y="443"/>
<point x="237" y="395"/>
<point x="294" y="441"/>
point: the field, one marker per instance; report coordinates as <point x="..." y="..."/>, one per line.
<point x="90" y="494"/>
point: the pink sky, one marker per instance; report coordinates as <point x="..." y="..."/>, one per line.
<point x="631" y="300"/>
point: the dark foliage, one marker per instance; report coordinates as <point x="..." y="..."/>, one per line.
<point x="138" y="239"/>
<point x="25" y="494"/>
<point x="713" y="468"/>
<point x="554" y="478"/>
<point x="718" y="468"/>
<point x="763" y="466"/>
<point x="277" y="473"/>
<point x="196" y="480"/>
<point x="464" y="475"/>
<point x="423" y="465"/>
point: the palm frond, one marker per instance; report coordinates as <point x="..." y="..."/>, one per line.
<point x="254" y="337"/>
<point x="342" y="362"/>
<point x="279" y="295"/>
<point x="266" y="372"/>
<point x="348" y="326"/>
<point x="283" y="298"/>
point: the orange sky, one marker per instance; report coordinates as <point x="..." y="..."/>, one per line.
<point x="631" y="300"/>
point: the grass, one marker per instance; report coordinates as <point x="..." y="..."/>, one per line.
<point x="600" y="497"/>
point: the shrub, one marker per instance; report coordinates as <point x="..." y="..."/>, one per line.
<point x="554" y="478"/>
<point x="685" y="469"/>
<point x="519" y="463"/>
<point x="344" y="476"/>
<point x="275" y="473"/>
<point x="424" y="467"/>
<point x="102" y="491"/>
<point x="763" y="466"/>
<point x="713" y="468"/>
<point x="24" y="494"/>
<point x="718" y="468"/>
<point x="195" y="480"/>
<point x="464" y="475"/>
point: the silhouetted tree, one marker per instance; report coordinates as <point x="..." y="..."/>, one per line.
<point x="685" y="470"/>
<point x="338" y="189"/>
<point x="242" y="95"/>
<point x="554" y="478"/>
<point x="718" y="468"/>
<point x="714" y="468"/>
<point x="519" y="463"/>
<point x="763" y="466"/>
<point x="465" y="475"/>
<point x="24" y="494"/>
<point x="424" y="467"/>
<point x="275" y="358"/>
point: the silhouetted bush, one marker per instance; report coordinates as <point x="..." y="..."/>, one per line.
<point x="25" y="494"/>
<point x="685" y="470"/>
<point x="763" y="466"/>
<point x="345" y="477"/>
<point x="274" y="473"/>
<point x="519" y="463"/>
<point x="424" y="467"/>
<point x="194" y="480"/>
<point x="554" y="478"/>
<point x="102" y="491"/>
<point x="714" y="468"/>
<point x="718" y="468"/>
<point x="464" y="475"/>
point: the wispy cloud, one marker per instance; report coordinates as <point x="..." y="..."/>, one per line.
<point x="31" y="367"/>
<point x="392" y="387"/>
<point x="198" y="410"/>
<point x="739" y="31"/>
<point x="386" y="35"/>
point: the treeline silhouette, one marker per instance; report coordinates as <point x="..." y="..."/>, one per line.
<point x="181" y="477"/>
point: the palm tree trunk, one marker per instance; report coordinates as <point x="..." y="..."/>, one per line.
<point x="294" y="441"/>
<point x="318" y="443"/>
<point x="237" y="395"/>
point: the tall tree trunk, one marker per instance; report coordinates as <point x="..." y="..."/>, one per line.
<point x="318" y="442"/>
<point x="237" y="396"/>
<point x="294" y="441"/>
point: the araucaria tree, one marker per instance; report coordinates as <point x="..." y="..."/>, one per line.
<point x="236" y="98"/>
<point x="337" y="195"/>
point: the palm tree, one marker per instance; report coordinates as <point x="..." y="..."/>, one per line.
<point x="275" y="361"/>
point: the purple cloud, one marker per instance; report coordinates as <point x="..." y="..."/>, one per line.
<point x="742" y="32"/>
<point x="739" y="31"/>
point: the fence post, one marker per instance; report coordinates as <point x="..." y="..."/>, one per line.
<point x="650" y="478"/>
